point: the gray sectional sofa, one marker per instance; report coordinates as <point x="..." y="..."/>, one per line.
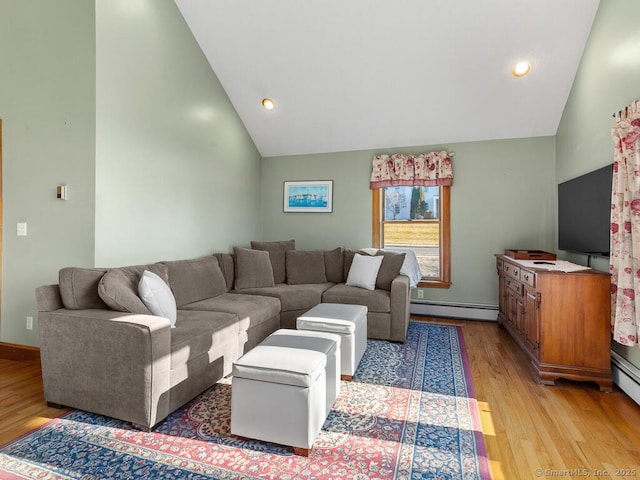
<point x="102" y="350"/>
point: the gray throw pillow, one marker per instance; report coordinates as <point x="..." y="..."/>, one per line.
<point x="118" y="288"/>
<point x="253" y="269"/>
<point x="333" y="265"/>
<point x="390" y="269"/>
<point x="305" y="267"/>
<point x="277" y="256"/>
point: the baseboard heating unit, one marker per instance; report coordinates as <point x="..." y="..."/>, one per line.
<point x="467" y="311"/>
<point x="626" y="376"/>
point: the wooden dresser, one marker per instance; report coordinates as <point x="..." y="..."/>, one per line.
<point x="561" y="320"/>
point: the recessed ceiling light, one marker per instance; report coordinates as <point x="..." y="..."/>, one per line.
<point x="521" y="69"/>
<point x="268" y="103"/>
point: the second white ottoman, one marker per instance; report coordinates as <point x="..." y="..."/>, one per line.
<point x="323" y="342"/>
<point x="348" y="321"/>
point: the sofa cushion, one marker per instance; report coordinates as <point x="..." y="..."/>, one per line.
<point x="252" y="310"/>
<point x="79" y="287"/>
<point x="333" y="265"/>
<point x="277" y="252"/>
<point x="390" y="269"/>
<point x="196" y="279"/>
<point x="118" y="288"/>
<point x="198" y="332"/>
<point x="364" y="271"/>
<point x="294" y="297"/>
<point x="378" y="301"/>
<point x="253" y="269"/>
<point x="305" y="267"/>
<point x="227" y="264"/>
<point x="157" y="296"/>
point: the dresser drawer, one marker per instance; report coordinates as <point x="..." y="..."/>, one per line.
<point x="514" y="285"/>
<point x="511" y="270"/>
<point x="515" y="271"/>
<point x="528" y="277"/>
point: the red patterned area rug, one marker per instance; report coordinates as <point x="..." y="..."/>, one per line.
<point x="410" y="413"/>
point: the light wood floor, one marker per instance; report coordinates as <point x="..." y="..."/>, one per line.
<point x="531" y="431"/>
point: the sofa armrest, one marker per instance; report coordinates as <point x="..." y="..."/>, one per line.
<point x="111" y="363"/>
<point x="400" y="307"/>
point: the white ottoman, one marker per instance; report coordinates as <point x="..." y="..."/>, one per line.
<point x="278" y="395"/>
<point x="323" y="342"/>
<point x="348" y="321"/>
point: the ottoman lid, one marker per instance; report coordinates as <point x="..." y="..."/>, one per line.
<point x="276" y="364"/>
<point x="333" y="317"/>
<point x="323" y="342"/>
<point x="326" y="325"/>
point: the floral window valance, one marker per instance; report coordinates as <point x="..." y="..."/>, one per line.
<point x="427" y="169"/>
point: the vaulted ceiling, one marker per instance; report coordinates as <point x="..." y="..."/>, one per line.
<point x="372" y="74"/>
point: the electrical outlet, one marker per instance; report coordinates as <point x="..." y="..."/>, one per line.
<point x="420" y="293"/>
<point x="29" y="323"/>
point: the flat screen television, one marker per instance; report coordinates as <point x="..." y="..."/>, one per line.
<point x="584" y="213"/>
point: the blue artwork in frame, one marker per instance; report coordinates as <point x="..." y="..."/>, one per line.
<point x="308" y="196"/>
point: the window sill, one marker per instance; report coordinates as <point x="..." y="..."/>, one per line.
<point x="433" y="284"/>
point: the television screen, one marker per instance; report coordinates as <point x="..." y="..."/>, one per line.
<point x="584" y="213"/>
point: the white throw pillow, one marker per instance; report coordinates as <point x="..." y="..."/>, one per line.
<point x="157" y="296"/>
<point x="364" y="271"/>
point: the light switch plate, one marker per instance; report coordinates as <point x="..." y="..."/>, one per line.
<point x="22" y="229"/>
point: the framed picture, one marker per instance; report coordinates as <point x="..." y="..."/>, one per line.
<point x="310" y="196"/>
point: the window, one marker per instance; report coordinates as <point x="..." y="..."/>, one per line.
<point x="416" y="218"/>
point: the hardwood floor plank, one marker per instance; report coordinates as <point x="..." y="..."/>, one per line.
<point x="563" y="430"/>
<point x="22" y="405"/>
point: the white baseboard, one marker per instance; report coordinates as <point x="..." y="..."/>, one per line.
<point x="468" y="311"/>
<point x="626" y="376"/>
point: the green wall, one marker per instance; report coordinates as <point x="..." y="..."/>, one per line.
<point x="177" y="175"/>
<point x="47" y="104"/>
<point x="503" y="196"/>
<point x="607" y="80"/>
<point x="115" y="99"/>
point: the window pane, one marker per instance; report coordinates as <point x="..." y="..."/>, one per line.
<point x="411" y="220"/>
<point x="423" y="237"/>
<point x="411" y="203"/>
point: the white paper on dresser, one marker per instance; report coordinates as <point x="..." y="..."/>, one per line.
<point x="553" y="265"/>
